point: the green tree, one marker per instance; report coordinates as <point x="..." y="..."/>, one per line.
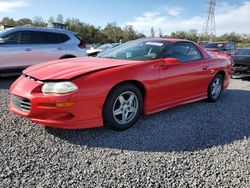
<point x="39" y="22"/>
<point x="179" y="35"/>
<point x="114" y="33"/>
<point x="51" y="20"/>
<point x="231" y="37"/>
<point x="24" y="21"/>
<point x="8" y="21"/>
<point x="60" y="19"/>
<point x="129" y="33"/>
<point x="192" y="35"/>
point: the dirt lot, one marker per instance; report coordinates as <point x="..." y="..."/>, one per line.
<point x="196" y="145"/>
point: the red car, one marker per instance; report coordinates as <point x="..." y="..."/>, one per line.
<point x="139" y="77"/>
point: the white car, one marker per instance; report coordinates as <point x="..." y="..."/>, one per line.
<point x="94" y="51"/>
<point x="21" y="47"/>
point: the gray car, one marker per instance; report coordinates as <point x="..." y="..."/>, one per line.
<point x="21" y="47"/>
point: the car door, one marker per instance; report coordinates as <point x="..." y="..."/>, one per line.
<point x="16" y="51"/>
<point x="47" y="46"/>
<point x="187" y="80"/>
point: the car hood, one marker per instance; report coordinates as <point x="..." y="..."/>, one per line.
<point x="70" y="68"/>
<point x="212" y="49"/>
<point x="241" y="58"/>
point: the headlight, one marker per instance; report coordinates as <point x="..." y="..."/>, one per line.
<point x="59" y="87"/>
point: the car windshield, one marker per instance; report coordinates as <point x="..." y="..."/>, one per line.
<point x="245" y="52"/>
<point x="214" y="45"/>
<point x="136" y="50"/>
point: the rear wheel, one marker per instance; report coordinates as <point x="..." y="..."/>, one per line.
<point x="215" y="88"/>
<point x="123" y="107"/>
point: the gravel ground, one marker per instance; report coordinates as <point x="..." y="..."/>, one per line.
<point x="196" y="145"/>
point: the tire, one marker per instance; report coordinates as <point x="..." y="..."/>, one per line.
<point x="123" y="107"/>
<point x="215" y="88"/>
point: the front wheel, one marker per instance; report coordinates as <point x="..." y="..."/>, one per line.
<point x="215" y="88"/>
<point x="123" y="107"/>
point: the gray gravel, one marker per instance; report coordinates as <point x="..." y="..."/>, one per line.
<point x="196" y="145"/>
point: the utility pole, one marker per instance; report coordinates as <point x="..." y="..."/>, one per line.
<point x="209" y="30"/>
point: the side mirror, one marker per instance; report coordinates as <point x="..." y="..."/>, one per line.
<point x="1" y="41"/>
<point x="171" y="61"/>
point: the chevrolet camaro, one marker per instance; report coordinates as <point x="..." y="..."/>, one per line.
<point x="139" y="77"/>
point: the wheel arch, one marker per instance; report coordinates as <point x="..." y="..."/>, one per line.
<point x="67" y="56"/>
<point x="222" y="73"/>
<point x="136" y="83"/>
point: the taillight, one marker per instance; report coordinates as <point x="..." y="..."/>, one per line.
<point x="82" y="45"/>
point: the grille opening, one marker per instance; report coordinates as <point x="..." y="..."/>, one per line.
<point x="21" y="103"/>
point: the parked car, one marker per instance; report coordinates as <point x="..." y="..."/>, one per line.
<point x="238" y="51"/>
<point x="94" y="51"/>
<point x="241" y="63"/>
<point x="139" y="77"/>
<point x="21" y="47"/>
<point x="228" y="48"/>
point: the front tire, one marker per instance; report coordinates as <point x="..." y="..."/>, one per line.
<point x="215" y="88"/>
<point x="123" y="107"/>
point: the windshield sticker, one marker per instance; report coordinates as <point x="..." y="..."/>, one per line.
<point x="154" y="43"/>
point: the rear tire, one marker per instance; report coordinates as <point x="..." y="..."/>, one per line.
<point x="123" y="107"/>
<point x="215" y="88"/>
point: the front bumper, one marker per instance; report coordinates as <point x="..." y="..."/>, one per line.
<point x="28" y="101"/>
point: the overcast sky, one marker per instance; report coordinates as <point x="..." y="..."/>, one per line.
<point x="169" y="16"/>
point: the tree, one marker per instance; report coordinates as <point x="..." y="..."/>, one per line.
<point x="51" y="20"/>
<point x="60" y="19"/>
<point x="8" y="21"/>
<point x="179" y="35"/>
<point x="231" y="37"/>
<point x="24" y="21"/>
<point x="129" y="33"/>
<point x="192" y="35"/>
<point x="114" y="33"/>
<point x="39" y="22"/>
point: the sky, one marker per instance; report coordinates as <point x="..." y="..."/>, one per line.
<point x="165" y="15"/>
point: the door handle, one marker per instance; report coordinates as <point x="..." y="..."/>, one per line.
<point x="160" y="65"/>
<point x="204" y="67"/>
<point x="59" y="48"/>
<point x="28" y="49"/>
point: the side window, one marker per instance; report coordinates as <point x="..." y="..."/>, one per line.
<point x="232" y="47"/>
<point x="51" y="38"/>
<point x="184" y="52"/>
<point x="25" y="38"/>
<point x="12" y="38"/>
<point x="38" y="37"/>
<point x="48" y="38"/>
<point x="227" y="46"/>
<point x="62" y="38"/>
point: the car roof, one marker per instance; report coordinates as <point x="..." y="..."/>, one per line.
<point x="219" y="42"/>
<point x="45" y="29"/>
